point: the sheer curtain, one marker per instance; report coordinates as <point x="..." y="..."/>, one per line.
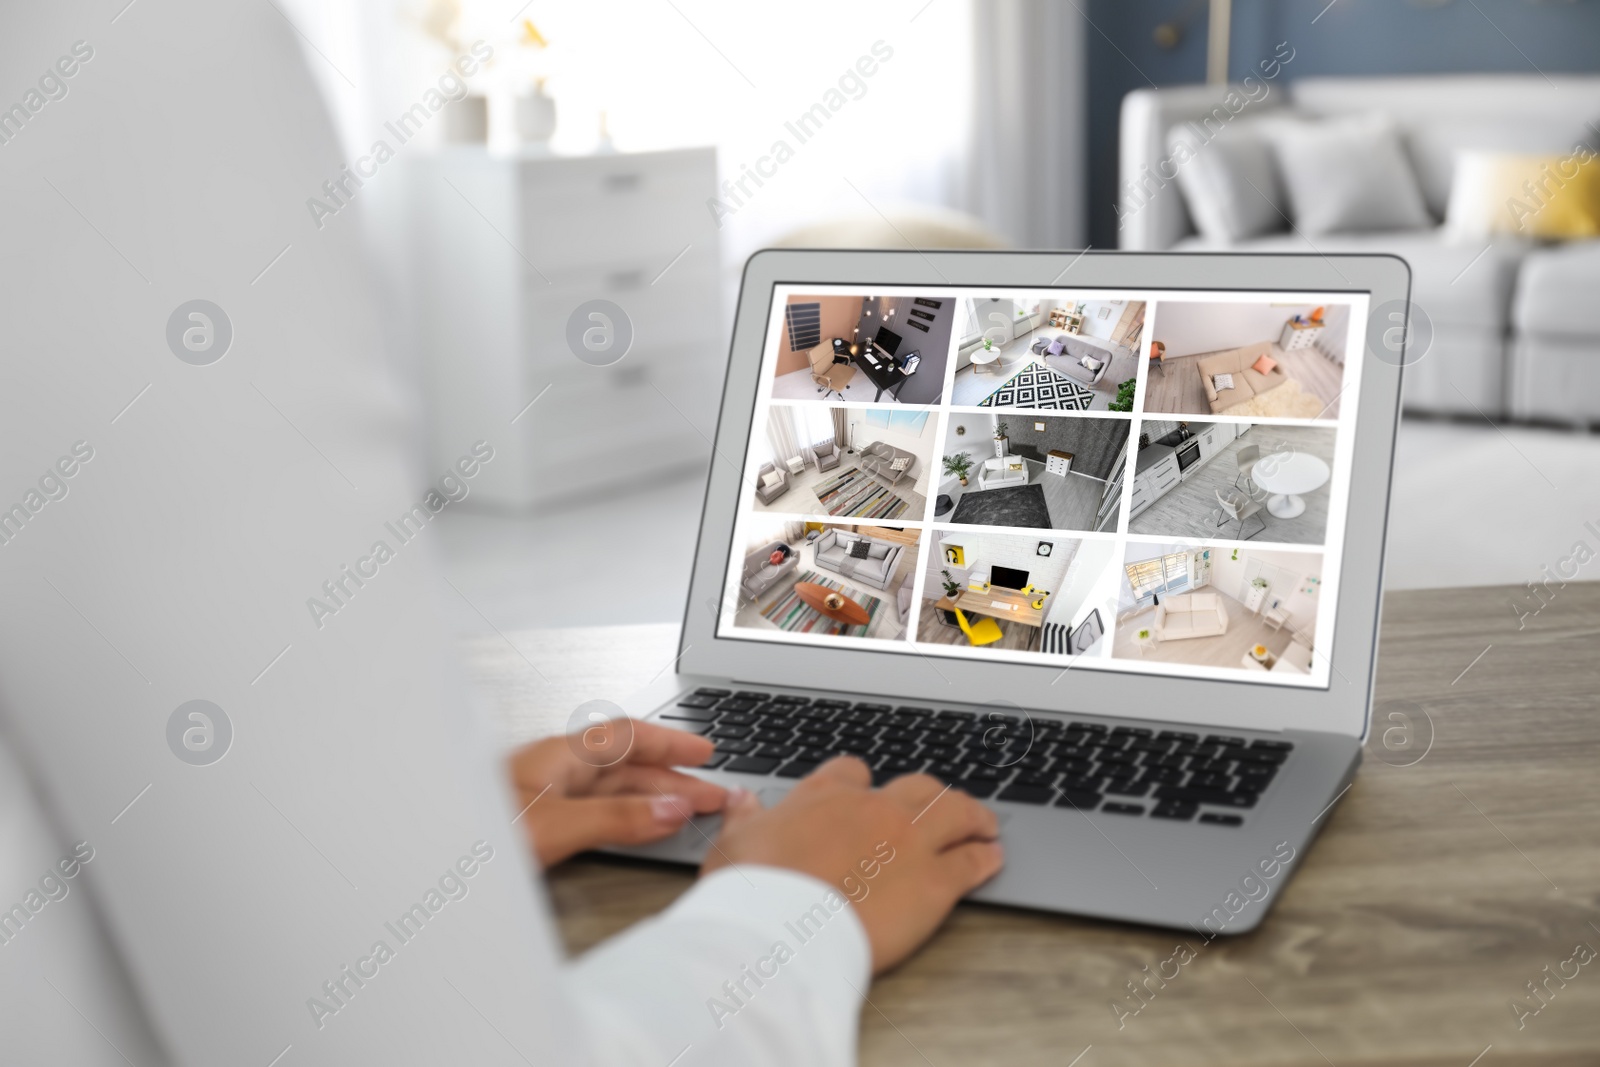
<point x="1029" y="142"/>
<point x="782" y="435"/>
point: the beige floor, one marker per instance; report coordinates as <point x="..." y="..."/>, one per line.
<point x="1073" y="499"/>
<point x="1176" y="387"/>
<point x="932" y="630"/>
<point x="1244" y="630"/>
<point x="886" y="625"/>
<point x="801" y="499"/>
<point x="972" y="385"/>
<point x="1192" y="510"/>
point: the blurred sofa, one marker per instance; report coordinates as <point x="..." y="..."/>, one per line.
<point x="878" y="459"/>
<point x="1516" y="331"/>
<point x="761" y="574"/>
<point x="875" y="569"/>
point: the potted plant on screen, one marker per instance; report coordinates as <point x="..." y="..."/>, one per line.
<point x="951" y="586"/>
<point x="959" y="465"/>
<point x="1124" y="400"/>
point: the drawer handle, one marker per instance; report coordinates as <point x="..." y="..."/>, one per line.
<point x="625" y="279"/>
<point x="622" y="183"/>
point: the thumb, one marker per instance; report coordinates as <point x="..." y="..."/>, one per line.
<point x="595" y="822"/>
<point x="740" y="807"/>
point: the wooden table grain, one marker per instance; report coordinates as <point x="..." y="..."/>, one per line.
<point x="1463" y="865"/>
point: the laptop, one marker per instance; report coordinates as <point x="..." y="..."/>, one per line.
<point x="1123" y="589"/>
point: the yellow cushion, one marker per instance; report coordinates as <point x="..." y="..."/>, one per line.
<point x="1553" y="197"/>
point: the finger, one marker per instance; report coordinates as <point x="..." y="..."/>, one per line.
<point x="702" y="795"/>
<point x="839" y="771"/>
<point x="742" y="806"/>
<point x="661" y="746"/>
<point x="572" y="826"/>
<point x="954" y="818"/>
<point x="914" y="791"/>
<point x="965" y="867"/>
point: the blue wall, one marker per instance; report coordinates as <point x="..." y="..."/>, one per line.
<point x="1351" y="37"/>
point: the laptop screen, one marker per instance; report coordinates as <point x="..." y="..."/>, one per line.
<point x="1143" y="481"/>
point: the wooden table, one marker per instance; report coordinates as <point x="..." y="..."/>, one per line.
<point x="1020" y="607"/>
<point x="816" y="598"/>
<point x="1450" y="875"/>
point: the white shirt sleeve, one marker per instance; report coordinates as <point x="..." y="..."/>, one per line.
<point x="755" y="965"/>
<point x="328" y="871"/>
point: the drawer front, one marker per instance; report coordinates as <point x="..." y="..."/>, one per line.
<point x="1142" y="498"/>
<point x="1166" y="481"/>
<point x="620" y="206"/>
<point x="1166" y="468"/>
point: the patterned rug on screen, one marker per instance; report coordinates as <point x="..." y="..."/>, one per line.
<point x="791" y="613"/>
<point x="855" y="494"/>
<point x="1038" y="386"/>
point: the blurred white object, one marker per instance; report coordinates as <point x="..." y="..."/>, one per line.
<point x="912" y="227"/>
<point x="535" y="117"/>
<point x="466" y="121"/>
<point x="509" y="252"/>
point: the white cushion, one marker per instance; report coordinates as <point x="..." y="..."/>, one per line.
<point x="770" y="479"/>
<point x="1346" y="175"/>
<point x="1222" y="381"/>
<point x="1230" y="182"/>
<point x="900" y="464"/>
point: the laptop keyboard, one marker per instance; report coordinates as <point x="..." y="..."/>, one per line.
<point x="1116" y="770"/>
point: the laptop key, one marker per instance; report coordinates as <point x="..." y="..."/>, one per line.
<point x="1078" y="799"/>
<point x="873" y="707"/>
<point x="777" y="751"/>
<point x="717" y="759"/>
<point x="1027" y="794"/>
<point x="698" y="701"/>
<point x="1219" y="819"/>
<point x="979" y="789"/>
<point x="1132" y="731"/>
<point x="1223" y="739"/>
<point x="1109" y="808"/>
<point x="1128" y="789"/>
<point x="797" y="768"/>
<point x="708" y="691"/>
<point x="751" y="765"/>
<point x="738" y="704"/>
<point x="984" y="773"/>
<point x="1176" y="735"/>
<point x="893" y="768"/>
<point x="857" y="745"/>
<point x="746" y="694"/>
<point x="737" y="748"/>
<point x="732" y="732"/>
<point x="1205" y="796"/>
<point x="689" y="726"/>
<point x="738" y="718"/>
<point x="1047" y="778"/>
<point x="1175" y="809"/>
<point x="690" y="714"/>
<point x="789" y="698"/>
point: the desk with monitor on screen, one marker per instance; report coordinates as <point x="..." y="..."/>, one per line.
<point x="878" y="359"/>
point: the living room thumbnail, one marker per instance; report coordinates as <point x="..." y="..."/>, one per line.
<point x="864" y="349"/>
<point x="1048" y="472"/>
<point x="1053" y="350"/>
<point x="868" y="463"/>
<point x="1017" y="593"/>
<point x="1247" y="359"/>
<point x="814" y="578"/>
<point x="1215" y="605"/>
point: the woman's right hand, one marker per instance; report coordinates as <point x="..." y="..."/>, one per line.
<point x="903" y="855"/>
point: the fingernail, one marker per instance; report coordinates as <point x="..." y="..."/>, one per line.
<point x="668" y="809"/>
<point x="738" y="796"/>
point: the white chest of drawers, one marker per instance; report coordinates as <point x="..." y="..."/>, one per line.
<point x="506" y="250"/>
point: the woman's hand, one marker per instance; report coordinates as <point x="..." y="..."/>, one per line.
<point x="610" y="785"/>
<point x="903" y="855"/>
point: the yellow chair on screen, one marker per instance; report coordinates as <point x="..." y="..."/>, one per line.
<point x="986" y="632"/>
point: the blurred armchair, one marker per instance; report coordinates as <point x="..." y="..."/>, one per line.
<point x="824" y="456"/>
<point x="768" y="487"/>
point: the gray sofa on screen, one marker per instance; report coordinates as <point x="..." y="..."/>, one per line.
<point x="877" y="459"/>
<point x="761" y="574"/>
<point x="876" y="570"/>
<point x="1073" y="350"/>
<point x="1515" y="320"/>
